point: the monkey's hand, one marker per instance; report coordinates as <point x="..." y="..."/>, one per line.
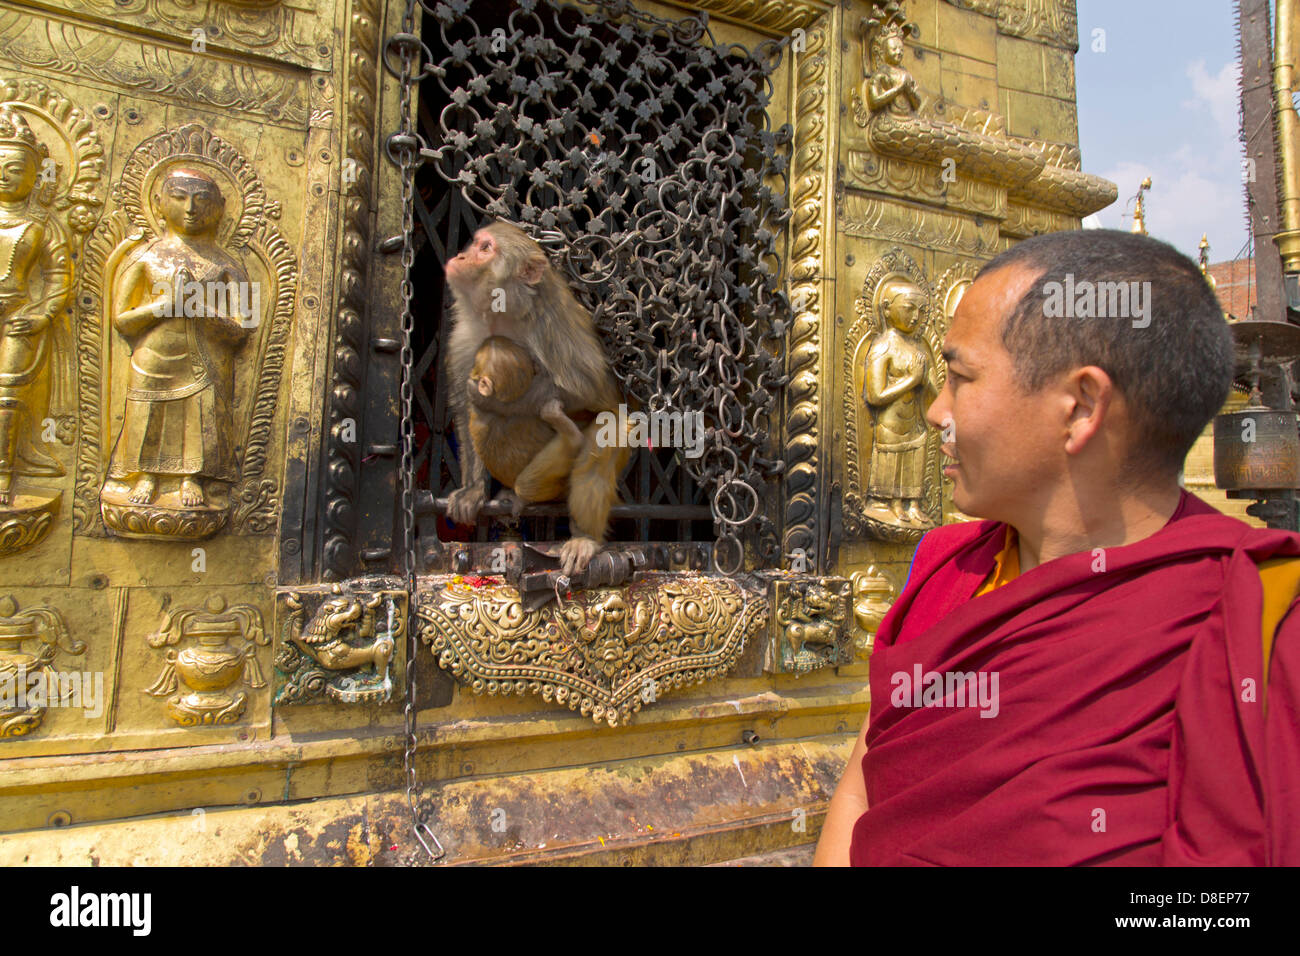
<point x="577" y="554"/>
<point x="464" y="503"/>
<point x="508" y="497"/>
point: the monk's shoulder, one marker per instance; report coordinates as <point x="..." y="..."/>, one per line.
<point x="939" y="544"/>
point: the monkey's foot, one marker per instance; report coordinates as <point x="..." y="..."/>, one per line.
<point x="508" y="497"/>
<point x="142" y="493"/>
<point x="191" y="493"/>
<point x="464" y="503"/>
<point x="577" y="554"/>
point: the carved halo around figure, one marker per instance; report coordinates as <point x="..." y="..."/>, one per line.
<point x="194" y="307"/>
<point x="951" y="286"/>
<point x="891" y="376"/>
<point x="50" y="198"/>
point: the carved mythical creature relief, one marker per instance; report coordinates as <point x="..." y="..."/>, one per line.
<point x="28" y="684"/>
<point x="811" y="625"/>
<point x="344" y="651"/>
<point x="222" y="653"/>
<point x="50" y="163"/>
<point x="186" y="313"/>
<point x="892" y="372"/>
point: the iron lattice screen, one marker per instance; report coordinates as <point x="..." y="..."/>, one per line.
<point x="638" y="152"/>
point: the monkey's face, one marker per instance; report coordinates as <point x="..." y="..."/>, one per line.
<point x="478" y="255"/>
<point x="499" y="268"/>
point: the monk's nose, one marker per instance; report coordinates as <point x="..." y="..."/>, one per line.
<point x="939" y="410"/>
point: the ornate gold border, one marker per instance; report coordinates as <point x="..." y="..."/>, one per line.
<point x="338" y="552"/>
<point x="776" y="16"/>
<point x="810" y="231"/>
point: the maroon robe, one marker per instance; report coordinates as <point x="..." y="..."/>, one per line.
<point x="1124" y="730"/>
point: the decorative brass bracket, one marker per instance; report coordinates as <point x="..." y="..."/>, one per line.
<point x="342" y="643"/>
<point x="606" y="651"/>
<point x="811" y="624"/>
<point x="609" y="651"/>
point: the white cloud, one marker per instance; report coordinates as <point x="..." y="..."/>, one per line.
<point x="1216" y="95"/>
<point x="1196" y="179"/>
<point x="1188" y="197"/>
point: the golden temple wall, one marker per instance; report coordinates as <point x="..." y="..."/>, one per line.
<point x="284" y="110"/>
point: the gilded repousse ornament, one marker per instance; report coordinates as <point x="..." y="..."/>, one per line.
<point x="605" y="652"/>
<point x="343" y="651"/>
<point x="178" y="301"/>
<point x="896" y="113"/>
<point x="49" y="169"/>
<point x="220" y="651"/>
<point x="896" y="377"/>
<point x="811" y="627"/>
<point x="892" y="493"/>
<point x="186" y="312"/>
<point x="19" y="669"/>
<point x="873" y="596"/>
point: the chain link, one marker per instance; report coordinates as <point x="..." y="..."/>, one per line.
<point x="406" y="147"/>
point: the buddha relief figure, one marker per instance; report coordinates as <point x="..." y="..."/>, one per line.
<point x="179" y="301"/>
<point x="35" y="284"/>
<point x="887" y="86"/>
<point x="896" y="376"/>
<point x="903" y="123"/>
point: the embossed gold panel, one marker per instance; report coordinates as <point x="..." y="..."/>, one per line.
<point x="955" y="148"/>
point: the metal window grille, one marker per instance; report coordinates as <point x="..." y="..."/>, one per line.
<point x="639" y="152"/>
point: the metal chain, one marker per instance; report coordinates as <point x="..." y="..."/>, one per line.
<point x="406" y="145"/>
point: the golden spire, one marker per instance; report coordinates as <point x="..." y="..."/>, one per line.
<point x="1140" y="214"/>
<point x="1205" y="261"/>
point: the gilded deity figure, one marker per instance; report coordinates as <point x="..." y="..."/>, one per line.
<point x="887" y="85"/>
<point x="896" y="376"/>
<point x="35" y="284"/>
<point x="177" y="429"/>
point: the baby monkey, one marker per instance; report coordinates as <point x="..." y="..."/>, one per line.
<point x="513" y="409"/>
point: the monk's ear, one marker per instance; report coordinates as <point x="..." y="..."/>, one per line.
<point x="1090" y="393"/>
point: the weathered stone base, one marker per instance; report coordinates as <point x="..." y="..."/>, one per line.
<point x="738" y="804"/>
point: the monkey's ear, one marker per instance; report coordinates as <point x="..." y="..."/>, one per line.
<point x="533" y="269"/>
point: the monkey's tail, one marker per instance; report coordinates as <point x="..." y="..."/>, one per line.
<point x="593" y="483"/>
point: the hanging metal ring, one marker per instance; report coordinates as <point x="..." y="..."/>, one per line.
<point x="740" y="554"/>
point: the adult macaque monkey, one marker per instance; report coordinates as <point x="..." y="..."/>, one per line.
<point x="505" y="286"/>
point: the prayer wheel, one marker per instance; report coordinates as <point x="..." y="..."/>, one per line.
<point x="1257" y="449"/>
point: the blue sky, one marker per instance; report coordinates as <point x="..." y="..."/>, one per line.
<point x="1161" y="101"/>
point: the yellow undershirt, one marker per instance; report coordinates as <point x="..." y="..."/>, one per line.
<point x="1280" y="578"/>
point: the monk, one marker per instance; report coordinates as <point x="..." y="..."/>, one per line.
<point x="1104" y="671"/>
